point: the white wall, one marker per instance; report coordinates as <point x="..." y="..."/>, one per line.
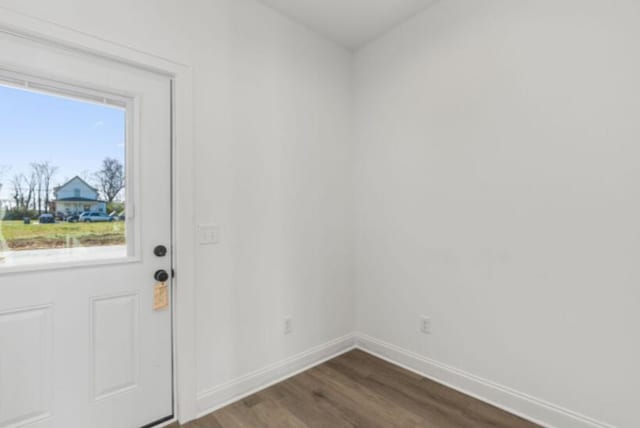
<point x="272" y="125"/>
<point x="498" y="192"/>
<point x="285" y="196"/>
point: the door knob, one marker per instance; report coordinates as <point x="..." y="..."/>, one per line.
<point x="161" y="275"/>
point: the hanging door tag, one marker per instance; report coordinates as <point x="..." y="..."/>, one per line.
<point x="160" y="296"/>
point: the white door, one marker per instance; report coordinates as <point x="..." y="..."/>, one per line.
<point x="81" y="342"/>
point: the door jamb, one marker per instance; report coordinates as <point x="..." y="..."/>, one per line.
<point x="183" y="308"/>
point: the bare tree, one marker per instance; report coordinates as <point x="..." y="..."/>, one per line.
<point x="37" y="173"/>
<point x="43" y="172"/>
<point x="31" y="190"/>
<point x="48" y="171"/>
<point x="17" y="182"/>
<point x="110" y="178"/>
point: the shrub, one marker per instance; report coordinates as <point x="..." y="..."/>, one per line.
<point x="19" y="214"/>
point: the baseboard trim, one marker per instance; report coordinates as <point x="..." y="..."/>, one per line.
<point x="531" y="408"/>
<point x="221" y="395"/>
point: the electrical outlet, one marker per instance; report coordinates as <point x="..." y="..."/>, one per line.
<point x="288" y="325"/>
<point x="425" y="325"/>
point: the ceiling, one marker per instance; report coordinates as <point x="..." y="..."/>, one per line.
<point x="351" y="23"/>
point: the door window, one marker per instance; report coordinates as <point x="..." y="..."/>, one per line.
<point x="63" y="173"/>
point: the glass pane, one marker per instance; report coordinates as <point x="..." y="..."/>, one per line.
<point x="62" y="179"/>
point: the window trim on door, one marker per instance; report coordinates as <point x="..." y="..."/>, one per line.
<point x="33" y="81"/>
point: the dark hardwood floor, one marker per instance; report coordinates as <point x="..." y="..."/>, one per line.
<point x="359" y="390"/>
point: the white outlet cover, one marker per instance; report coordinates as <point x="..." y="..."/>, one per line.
<point x="208" y="234"/>
<point x="425" y="325"/>
<point x="288" y="325"/>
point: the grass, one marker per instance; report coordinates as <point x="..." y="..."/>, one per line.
<point x="35" y="236"/>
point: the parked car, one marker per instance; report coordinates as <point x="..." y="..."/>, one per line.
<point x="119" y="217"/>
<point x="73" y="218"/>
<point x="46" y="218"/>
<point x="94" y="217"/>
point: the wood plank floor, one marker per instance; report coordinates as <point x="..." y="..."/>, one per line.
<point x="359" y="390"/>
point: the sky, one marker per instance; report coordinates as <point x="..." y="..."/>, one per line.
<point x="71" y="134"/>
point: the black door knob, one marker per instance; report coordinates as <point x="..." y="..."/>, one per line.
<point x="161" y="275"/>
<point x="160" y="251"/>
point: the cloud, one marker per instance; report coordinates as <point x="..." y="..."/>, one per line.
<point x="98" y="124"/>
<point x="120" y="144"/>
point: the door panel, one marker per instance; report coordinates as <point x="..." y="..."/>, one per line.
<point x="80" y="342"/>
<point x="114" y="344"/>
<point x="25" y="373"/>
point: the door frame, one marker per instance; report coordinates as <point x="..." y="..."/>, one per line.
<point x="182" y="182"/>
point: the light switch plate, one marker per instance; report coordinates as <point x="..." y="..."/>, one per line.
<point x="208" y="234"/>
